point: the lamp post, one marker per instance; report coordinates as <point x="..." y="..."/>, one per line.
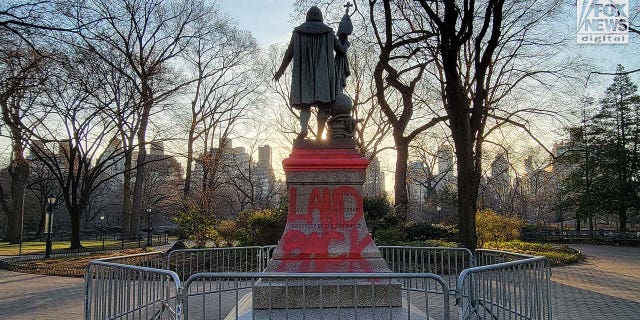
<point x="48" y="224"/>
<point x="149" y="227"/>
<point x="102" y="230"/>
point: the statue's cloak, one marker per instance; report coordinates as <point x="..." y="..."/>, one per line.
<point x="313" y="79"/>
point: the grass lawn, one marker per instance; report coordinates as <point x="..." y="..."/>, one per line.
<point x="66" y="266"/>
<point x="557" y="255"/>
<point x="7" y="249"/>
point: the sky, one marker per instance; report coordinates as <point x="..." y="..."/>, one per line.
<point x="270" y="22"/>
<point x="267" y="20"/>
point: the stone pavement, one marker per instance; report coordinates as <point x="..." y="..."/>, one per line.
<point x="605" y="286"/>
<point x="34" y="297"/>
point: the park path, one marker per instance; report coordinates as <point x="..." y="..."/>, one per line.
<point x="34" y="297"/>
<point x="605" y="286"/>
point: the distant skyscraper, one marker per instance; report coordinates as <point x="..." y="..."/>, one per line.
<point x="157" y="148"/>
<point x="374" y="184"/>
<point x="446" y="177"/>
<point x="500" y="168"/>
<point x="445" y="160"/>
<point x="225" y="143"/>
<point x="264" y="175"/>
<point x="419" y="181"/>
<point x="500" y="171"/>
<point x="528" y="164"/>
<point x="264" y="157"/>
<point x="234" y="169"/>
<point x="38" y="147"/>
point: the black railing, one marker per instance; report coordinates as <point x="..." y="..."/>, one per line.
<point x="595" y="236"/>
<point x="30" y="262"/>
<point x="111" y="242"/>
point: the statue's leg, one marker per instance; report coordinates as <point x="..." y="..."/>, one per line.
<point x="305" y="115"/>
<point x="323" y="115"/>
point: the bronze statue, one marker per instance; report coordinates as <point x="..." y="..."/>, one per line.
<point x="313" y="80"/>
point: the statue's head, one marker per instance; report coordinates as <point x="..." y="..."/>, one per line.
<point x="314" y="14"/>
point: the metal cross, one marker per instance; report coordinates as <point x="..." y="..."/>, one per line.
<point x="348" y="5"/>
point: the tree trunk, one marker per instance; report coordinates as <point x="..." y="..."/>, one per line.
<point x="468" y="172"/>
<point x="622" y="217"/>
<point x="147" y="103"/>
<point x="19" y="172"/>
<point x="400" y="187"/>
<point x="467" y="195"/>
<point x="75" y="228"/>
<point x="127" y="215"/>
<point x="138" y="186"/>
<point x="187" y="178"/>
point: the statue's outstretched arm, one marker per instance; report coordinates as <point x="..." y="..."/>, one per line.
<point x="288" y="56"/>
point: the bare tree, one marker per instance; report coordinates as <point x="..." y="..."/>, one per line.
<point x="148" y="36"/>
<point x="42" y="184"/>
<point x="398" y="74"/>
<point x="33" y="21"/>
<point x="73" y="152"/>
<point x="162" y="184"/>
<point x="23" y="71"/>
<point x="484" y="51"/>
<point x="221" y="57"/>
<point x="426" y="149"/>
<point x="252" y="183"/>
<point x="373" y="128"/>
<point x="124" y="109"/>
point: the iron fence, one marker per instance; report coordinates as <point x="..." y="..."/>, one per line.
<point x="155" y="260"/>
<point x="446" y="262"/>
<point x="487" y="284"/>
<point x="114" y="290"/>
<point x="589" y="236"/>
<point x="516" y="289"/>
<point x="187" y="262"/>
<point x="312" y="296"/>
<point x="112" y="243"/>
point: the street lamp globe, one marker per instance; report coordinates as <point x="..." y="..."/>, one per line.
<point x="102" y="230"/>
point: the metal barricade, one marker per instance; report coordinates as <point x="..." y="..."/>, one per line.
<point x="117" y="291"/>
<point x="187" y="262"/>
<point x="485" y="257"/>
<point x="490" y="284"/>
<point x="266" y="255"/>
<point x="150" y="260"/>
<point x="443" y="261"/>
<point x="316" y="296"/>
<point x="515" y="289"/>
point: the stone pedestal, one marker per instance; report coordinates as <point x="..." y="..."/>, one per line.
<point x="245" y="310"/>
<point x="326" y="231"/>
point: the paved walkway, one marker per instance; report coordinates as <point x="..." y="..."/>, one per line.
<point x="605" y="286"/>
<point x="30" y="297"/>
